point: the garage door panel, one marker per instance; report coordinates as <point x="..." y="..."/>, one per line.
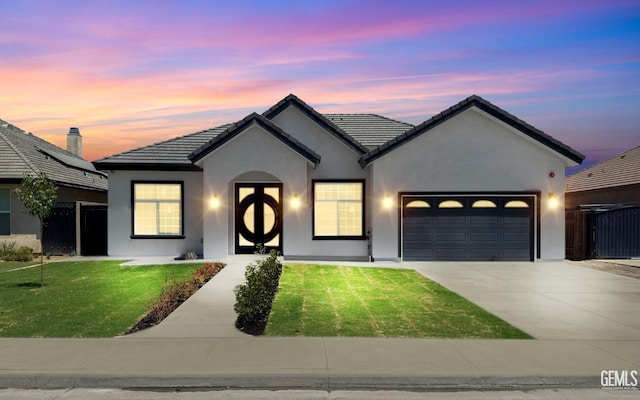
<point x="451" y="220"/>
<point x="489" y="233"/>
<point x="450" y="237"/>
<point x="452" y="254"/>
<point x="483" y="220"/>
<point x="515" y="254"/>
<point x="484" y="237"/>
<point x="515" y="237"/>
<point x="483" y="254"/>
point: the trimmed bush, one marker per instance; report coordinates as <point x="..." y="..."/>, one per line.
<point x="254" y="298"/>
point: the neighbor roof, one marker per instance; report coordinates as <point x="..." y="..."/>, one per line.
<point x="482" y="104"/>
<point x="620" y="170"/>
<point x="23" y="153"/>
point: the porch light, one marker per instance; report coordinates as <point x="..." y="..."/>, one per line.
<point x="295" y="202"/>
<point x="387" y="202"/>
<point x="214" y="202"/>
<point x="553" y="201"/>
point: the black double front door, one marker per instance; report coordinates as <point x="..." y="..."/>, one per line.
<point x="258" y="218"/>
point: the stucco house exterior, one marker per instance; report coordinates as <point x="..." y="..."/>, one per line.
<point x="471" y="183"/>
<point x="77" y="180"/>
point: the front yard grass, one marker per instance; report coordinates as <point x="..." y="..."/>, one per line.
<point x="9" y="265"/>
<point x="376" y="302"/>
<point x="81" y="299"/>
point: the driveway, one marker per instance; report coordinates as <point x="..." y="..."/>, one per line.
<point x="548" y="300"/>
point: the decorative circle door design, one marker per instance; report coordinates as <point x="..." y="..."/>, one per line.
<point x="258" y="216"/>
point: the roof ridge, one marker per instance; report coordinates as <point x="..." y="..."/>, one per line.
<point x="372" y="114"/>
<point x="318" y="118"/>
<point x="17" y="150"/>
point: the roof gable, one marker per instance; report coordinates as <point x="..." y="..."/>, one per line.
<point x="620" y="170"/>
<point x="325" y="123"/>
<point x="237" y="128"/>
<point x="487" y="107"/>
<point x="23" y="153"/>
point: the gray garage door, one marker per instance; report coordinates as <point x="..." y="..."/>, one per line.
<point x="473" y="228"/>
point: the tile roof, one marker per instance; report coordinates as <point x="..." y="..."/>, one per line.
<point x="370" y="130"/>
<point x="23" y="153"/>
<point x="317" y="118"/>
<point x="170" y="154"/>
<point x="236" y="128"/>
<point x="482" y="104"/>
<point x="620" y="170"/>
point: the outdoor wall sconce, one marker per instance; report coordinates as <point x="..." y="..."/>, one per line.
<point x="554" y="202"/>
<point x="214" y="202"/>
<point x="387" y="202"/>
<point x="295" y="202"/>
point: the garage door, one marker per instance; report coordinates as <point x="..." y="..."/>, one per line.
<point x="469" y="228"/>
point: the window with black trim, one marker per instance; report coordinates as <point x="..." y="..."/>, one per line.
<point x="157" y="208"/>
<point x="338" y="209"/>
<point x="5" y="211"/>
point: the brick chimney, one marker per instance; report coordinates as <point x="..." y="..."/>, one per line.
<point x="74" y="142"/>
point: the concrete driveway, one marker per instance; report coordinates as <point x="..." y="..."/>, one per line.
<point x="548" y="300"/>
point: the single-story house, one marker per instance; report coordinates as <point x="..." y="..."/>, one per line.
<point x="79" y="184"/>
<point x="602" y="205"/>
<point x="471" y="183"/>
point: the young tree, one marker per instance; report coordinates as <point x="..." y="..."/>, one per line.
<point x="38" y="193"/>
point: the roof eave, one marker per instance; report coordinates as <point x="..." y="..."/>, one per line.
<point x="141" y="166"/>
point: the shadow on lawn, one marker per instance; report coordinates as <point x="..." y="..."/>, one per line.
<point x="28" y="285"/>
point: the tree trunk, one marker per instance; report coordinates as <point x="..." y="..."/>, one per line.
<point x="41" y="254"/>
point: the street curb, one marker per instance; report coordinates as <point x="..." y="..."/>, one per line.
<point x="293" y="382"/>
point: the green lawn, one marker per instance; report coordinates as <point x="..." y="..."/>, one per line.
<point x="376" y="302"/>
<point x="9" y="265"/>
<point x="81" y="299"/>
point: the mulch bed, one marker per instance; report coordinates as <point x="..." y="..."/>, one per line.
<point x="173" y="296"/>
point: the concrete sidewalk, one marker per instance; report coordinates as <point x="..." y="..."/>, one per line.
<point x="198" y="347"/>
<point x="311" y="363"/>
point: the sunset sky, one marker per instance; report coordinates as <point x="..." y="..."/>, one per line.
<point x="130" y="73"/>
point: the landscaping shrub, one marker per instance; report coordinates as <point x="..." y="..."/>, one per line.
<point x="255" y="297"/>
<point x="8" y="252"/>
<point x="174" y="293"/>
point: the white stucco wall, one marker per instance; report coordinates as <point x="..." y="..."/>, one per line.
<point x="120" y="242"/>
<point x="339" y="161"/>
<point x="472" y="152"/>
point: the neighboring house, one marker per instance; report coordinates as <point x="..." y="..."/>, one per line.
<point x="471" y="183"/>
<point x="78" y="182"/>
<point x="603" y="209"/>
